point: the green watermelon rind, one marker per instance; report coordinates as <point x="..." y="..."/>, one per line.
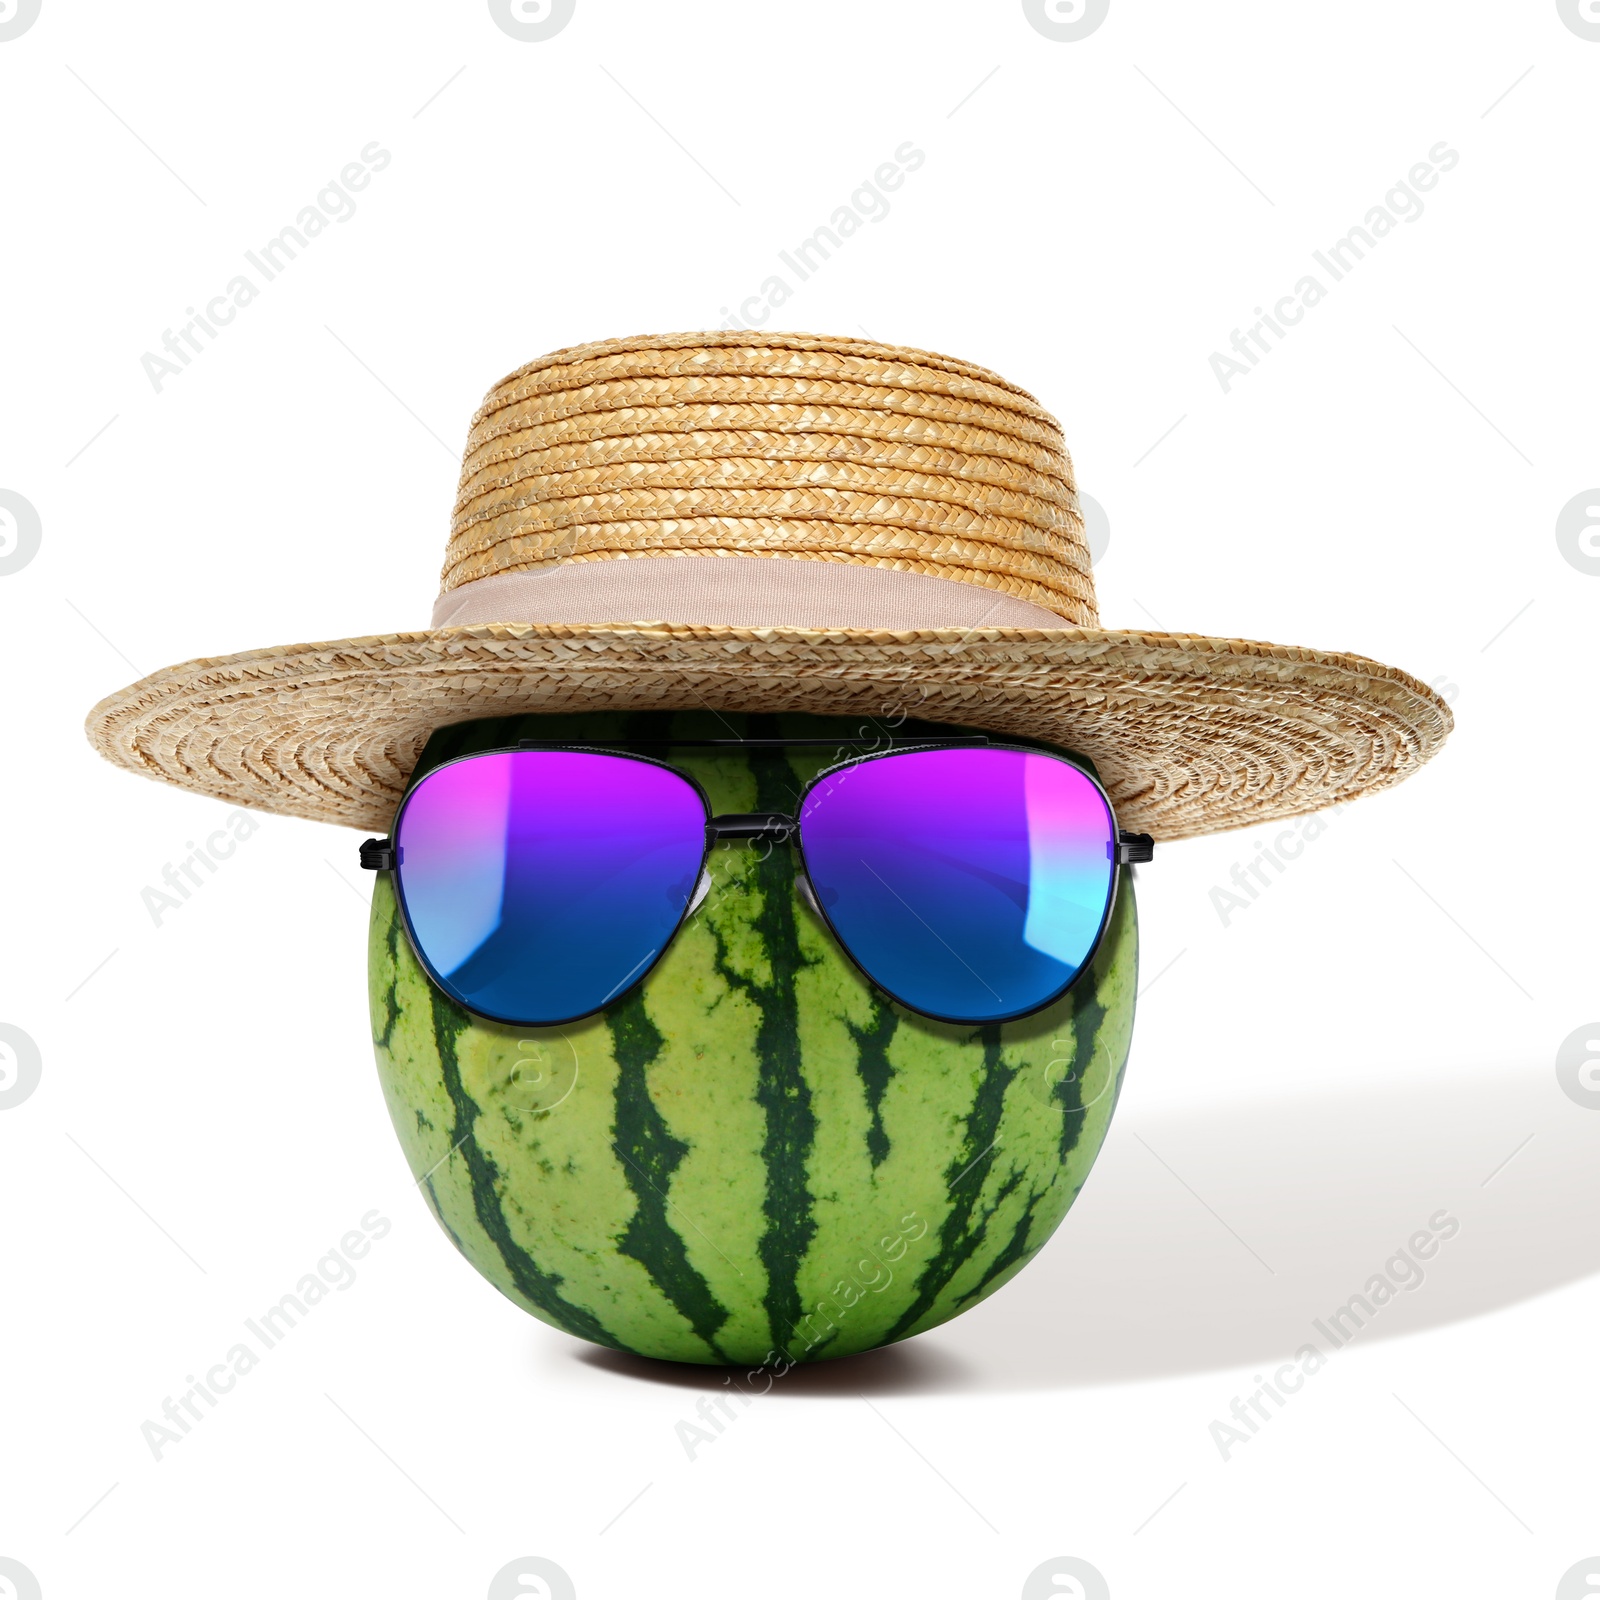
<point x="757" y="1159"/>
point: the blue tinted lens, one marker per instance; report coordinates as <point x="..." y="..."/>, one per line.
<point x="539" y="884"/>
<point x="969" y="884"/>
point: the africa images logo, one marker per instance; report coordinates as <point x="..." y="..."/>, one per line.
<point x="20" y="532"/>
<point x="1578" y="532"/>
<point x="16" y="17"/>
<point x="1065" y="21"/>
<point x="531" y="21"/>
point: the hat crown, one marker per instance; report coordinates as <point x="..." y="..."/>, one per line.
<point x="787" y="446"/>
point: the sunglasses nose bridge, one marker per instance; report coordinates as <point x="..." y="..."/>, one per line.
<point x="777" y="826"/>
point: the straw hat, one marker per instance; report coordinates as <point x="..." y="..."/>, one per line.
<point x="766" y="522"/>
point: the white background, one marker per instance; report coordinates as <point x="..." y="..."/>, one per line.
<point x="1372" y="1040"/>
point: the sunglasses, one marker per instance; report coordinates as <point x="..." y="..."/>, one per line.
<point x="969" y="881"/>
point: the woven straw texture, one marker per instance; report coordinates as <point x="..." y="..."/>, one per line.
<point x="824" y="449"/>
<point x="792" y="447"/>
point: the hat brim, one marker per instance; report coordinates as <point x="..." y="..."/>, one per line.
<point x="1189" y="734"/>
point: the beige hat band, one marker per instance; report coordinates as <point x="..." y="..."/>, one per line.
<point x="736" y="592"/>
<point x="1041" y="580"/>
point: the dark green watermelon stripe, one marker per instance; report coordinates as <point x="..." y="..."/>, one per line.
<point x="872" y="1065"/>
<point x="1015" y="1250"/>
<point x="391" y="999"/>
<point x="542" y="1288"/>
<point x="965" y="1179"/>
<point x="781" y="1090"/>
<point x="433" y="1202"/>
<point x="650" y="1154"/>
<point x="1087" y="1017"/>
<point x="808" y="1349"/>
<point x="978" y="1233"/>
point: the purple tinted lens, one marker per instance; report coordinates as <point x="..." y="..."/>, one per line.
<point x="969" y="884"/>
<point x="539" y="884"/>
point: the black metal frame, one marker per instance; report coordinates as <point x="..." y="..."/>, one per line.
<point x="778" y="827"/>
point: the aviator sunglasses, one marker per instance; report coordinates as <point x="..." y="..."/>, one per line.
<point x="970" y="881"/>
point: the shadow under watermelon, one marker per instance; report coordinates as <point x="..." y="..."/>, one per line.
<point x="1219" y="1236"/>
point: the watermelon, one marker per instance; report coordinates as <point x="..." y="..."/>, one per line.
<point x="752" y="1158"/>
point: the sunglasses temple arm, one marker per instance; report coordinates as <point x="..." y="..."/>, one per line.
<point x="1132" y="848"/>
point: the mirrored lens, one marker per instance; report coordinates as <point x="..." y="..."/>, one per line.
<point x="539" y="884"/>
<point x="970" y="884"/>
